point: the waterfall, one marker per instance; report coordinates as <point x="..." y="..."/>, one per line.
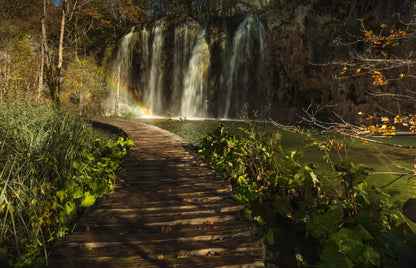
<point x="186" y="35"/>
<point x="189" y="70"/>
<point x="236" y="71"/>
<point x="153" y="97"/>
<point x="145" y="64"/>
<point x="194" y="98"/>
<point x="120" y="75"/>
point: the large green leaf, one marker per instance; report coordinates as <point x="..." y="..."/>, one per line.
<point x="331" y="257"/>
<point x="322" y="225"/>
<point x="88" y="200"/>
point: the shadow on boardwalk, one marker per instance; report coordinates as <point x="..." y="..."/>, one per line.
<point x="167" y="210"/>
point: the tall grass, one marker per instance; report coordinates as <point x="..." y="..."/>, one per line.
<point x="43" y="153"/>
<point x="37" y="145"/>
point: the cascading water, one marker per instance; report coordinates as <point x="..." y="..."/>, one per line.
<point x="153" y="97"/>
<point x="120" y="76"/>
<point x="186" y="36"/>
<point x="145" y="64"/>
<point x="174" y="70"/>
<point x="194" y="98"/>
<point x="236" y="71"/>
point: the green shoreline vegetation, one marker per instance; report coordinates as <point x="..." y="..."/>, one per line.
<point x="332" y="219"/>
<point x="52" y="167"/>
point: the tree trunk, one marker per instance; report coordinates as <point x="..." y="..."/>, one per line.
<point x="44" y="37"/>
<point x="53" y="72"/>
<point x="41" y="71"/>
<point x="61" y="36"/>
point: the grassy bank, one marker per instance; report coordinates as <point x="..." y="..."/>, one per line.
<point x="51" y="167"/>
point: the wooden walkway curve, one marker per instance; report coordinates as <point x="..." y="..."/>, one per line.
<point x="168" y="209"/>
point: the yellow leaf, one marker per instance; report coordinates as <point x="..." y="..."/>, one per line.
<point x="383" y="25"/>
<point x="398" y="119"/>
<point x="401" y="75"/>
<point x="383" y="53"/>
<point x="358" y="70"/>
<point x="368" y="33"/>
<point x="386" y="44"/>
<point x="2" y="207"/>
<point x="363" y="141"/>
<point x="385" y="120"/>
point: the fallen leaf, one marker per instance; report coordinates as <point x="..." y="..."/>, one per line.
<point x="182" y="254"/>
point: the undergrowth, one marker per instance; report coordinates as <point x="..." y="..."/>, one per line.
<point x="51" y="167"/>
<point x="306" y="219"/>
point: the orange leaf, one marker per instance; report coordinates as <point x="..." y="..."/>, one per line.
<point x="402" y="33"/>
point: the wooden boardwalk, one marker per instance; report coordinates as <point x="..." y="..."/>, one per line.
<point x="168" y="209"/>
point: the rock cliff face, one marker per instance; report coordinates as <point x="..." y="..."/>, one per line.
<point x="304" y="38"/>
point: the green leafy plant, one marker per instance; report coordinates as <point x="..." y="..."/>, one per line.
<point x="351" y="222"/>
